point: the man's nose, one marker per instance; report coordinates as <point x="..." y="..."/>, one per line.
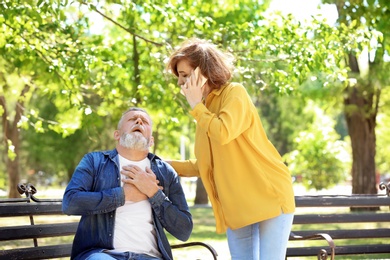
<point x="138" y="121"/>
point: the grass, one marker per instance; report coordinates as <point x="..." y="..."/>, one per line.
<point x="204" y="231"/>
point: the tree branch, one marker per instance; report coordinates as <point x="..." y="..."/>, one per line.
<point x="4" y="116"/>
<point x="18" y="107"/>
<point x="39" y="54"/>
<point x="94" y="8"/>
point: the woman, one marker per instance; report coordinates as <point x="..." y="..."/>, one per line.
<point x="249" y="186"/>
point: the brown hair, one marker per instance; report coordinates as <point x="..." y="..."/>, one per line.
<point x="214" y="64"/>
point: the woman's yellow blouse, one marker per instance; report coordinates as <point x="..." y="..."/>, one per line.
<point x="244" y="175"/>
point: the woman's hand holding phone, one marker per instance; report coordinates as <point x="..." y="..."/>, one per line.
<point x="193" y="88"/>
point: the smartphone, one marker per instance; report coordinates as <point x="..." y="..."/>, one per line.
<point x="198" y="75"/>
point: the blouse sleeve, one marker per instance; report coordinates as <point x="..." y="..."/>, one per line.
<point x="232" y="120"/>
<point x="186" y="168"/>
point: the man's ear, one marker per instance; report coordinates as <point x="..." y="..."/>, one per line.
<point x="117" y="136"/>
<point x="151" y="141"/>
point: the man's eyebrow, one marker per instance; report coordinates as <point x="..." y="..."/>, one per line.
<point x="143" y="117"/>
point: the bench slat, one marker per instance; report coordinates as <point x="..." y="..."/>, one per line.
<point x="23" y="209"/>
<point x="34" y="253"/>
<point x="340" y="250"/>
<point x="362" y="249"/>
<point x="341" y="218"/>
<point x="346" y="234"/>
<point x="38" y="231"/>
<point x="342" y="201"/>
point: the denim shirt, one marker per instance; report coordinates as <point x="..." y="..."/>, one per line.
<point x="95" y="192"/>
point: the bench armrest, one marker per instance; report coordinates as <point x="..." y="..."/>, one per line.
<point x="322" y="254"/>
<point x="210" y="248"/>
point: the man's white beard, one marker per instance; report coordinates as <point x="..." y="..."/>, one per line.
<point x="134" y="141"/>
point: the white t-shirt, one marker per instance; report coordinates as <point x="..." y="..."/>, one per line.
<point x="134" y="230"/>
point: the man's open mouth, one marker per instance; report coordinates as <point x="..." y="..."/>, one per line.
<point x="137" y="130"/>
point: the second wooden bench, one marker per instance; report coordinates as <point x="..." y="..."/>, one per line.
<point x="349" y="225"/>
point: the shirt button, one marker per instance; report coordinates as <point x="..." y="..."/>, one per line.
<point x="109" y="235"/>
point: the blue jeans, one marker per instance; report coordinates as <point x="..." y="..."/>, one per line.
<point x="265" y="240"/>
<point x="107" y="255"/>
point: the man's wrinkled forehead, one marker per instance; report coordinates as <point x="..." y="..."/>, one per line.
<point x="135" y="114"/>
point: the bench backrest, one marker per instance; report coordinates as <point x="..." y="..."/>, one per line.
<point x="369" y="215"/>
<point x="23" y="219"/>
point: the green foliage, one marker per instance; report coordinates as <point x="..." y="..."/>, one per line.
<point x="78" y="65"/>
<point x="283" y="118"/>
<point x="383" y="138"/>
<point x="11" y="150"/>
<point x="3" y="178"/>
<point x="320" y="160"/>
<point x="55" y="155"/>
<point x="383" y="150"/>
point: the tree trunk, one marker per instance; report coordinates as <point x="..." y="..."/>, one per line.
<point x="360" y="117"/>
<point x="360" y="109"/>
<point x="201" y="194"/>
<point x="13" y="177"/>
<point x="12" y="133"/>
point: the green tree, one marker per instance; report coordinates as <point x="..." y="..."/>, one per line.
<point x="40" y="54"/>
<point x="57" y="156"/>
<point x="362" y="94"/>
<point x="382" y="157"/>
<point x="51" y="50"/>
<point x="283" y="117"/>
<point x="51" y="47"/>
<point x="321" y="159"/>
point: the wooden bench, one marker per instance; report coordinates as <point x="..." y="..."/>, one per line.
<point x="327" y="210"/>
<point x="360" y="227"/>
<point x="61" y="226"/>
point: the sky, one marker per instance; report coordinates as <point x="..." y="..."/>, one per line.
<point x="301" y="9"/>
<point x="304" y="9"/>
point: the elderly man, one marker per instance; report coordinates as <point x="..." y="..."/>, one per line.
<point x="126" y="198"/>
